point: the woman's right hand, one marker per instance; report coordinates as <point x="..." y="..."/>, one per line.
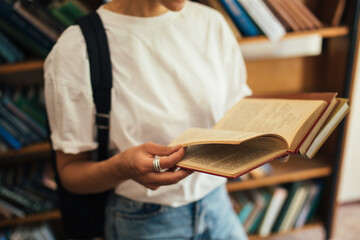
<point x="136" y="163"/>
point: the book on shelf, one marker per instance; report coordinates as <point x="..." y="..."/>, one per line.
<point x="242" y="205"/>
<point x="297" y="195"/>
<point x="333" y="12"/>
<point x="314" y="192"/>
<point x="259" y="201"/>
<point x="8" y="137"/>
<point x="39" y="9"/>
<point x="294" y="14"/>
<point x="264" y="18"/>
<point x="241" y="19"/>
<point x="8" y="51"/>
<point x="23" y="132"/>
<point x="37" y="128"/>
<point x="253" y="132"/>
<point x="9" y="15"/>
<point x="23" y="40"/>
<point x="278" y="196"/>
<point x="67" y="11"/>
<point x="42" y="26"/>
<point x="10" y="211"/>
<point x="256" y="224"/>
<point x="217" y="5"/>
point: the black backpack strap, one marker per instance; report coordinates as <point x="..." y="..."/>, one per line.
<point x="83" y="215"/>
<point x="101" y="75"/>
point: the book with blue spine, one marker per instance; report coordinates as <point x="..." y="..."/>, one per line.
<point x="240" y="17"/>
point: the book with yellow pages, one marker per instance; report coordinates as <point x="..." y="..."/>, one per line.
<point x="253" y="132"/>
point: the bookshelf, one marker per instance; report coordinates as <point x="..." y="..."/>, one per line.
<point x="332" y="70"/>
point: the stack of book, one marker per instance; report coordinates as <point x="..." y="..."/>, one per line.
<point x="27" y="189"/>
<point x="31" y="27"/>
<point x="278" y="208"/>
<point x="40" y="231"/>
<point x="272" y="18"/>
<point x="23" y="119"/>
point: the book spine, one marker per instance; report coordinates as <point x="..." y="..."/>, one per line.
<point x="9" y="138"/>
<point x="5" y="52"/>
<point x="7" y="13"/>
<point x="38" y="9"/>
<point x="9" y="135"/>
<point x="25" y="118"/>
<point x="22" y="129"/>
<point x="23" y="39"/>
<point x="13" y="48"/>
<point x="240" y="17"/>
<point x="264" y="18"/>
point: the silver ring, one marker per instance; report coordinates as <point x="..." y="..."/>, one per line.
<point x="156" y="163"/>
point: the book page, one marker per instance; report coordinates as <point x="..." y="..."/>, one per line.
<point x="232" y="160"/>
<point x="285" y="117"/>
<point x="196" y="136"/>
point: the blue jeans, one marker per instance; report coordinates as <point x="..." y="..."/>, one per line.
<point x="209" y="218"/>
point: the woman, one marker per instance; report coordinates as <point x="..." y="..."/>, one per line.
<point x="176" y="65"/>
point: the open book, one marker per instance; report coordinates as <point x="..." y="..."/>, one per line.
<point x="252" y="133"/>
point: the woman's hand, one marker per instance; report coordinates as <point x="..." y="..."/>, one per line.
<point x="137" y="163"/>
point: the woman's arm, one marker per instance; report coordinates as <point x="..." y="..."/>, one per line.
<point x="80" y="175"/>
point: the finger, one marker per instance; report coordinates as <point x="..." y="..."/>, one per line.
<point x="171" y="160"/>
<point x="161" y="150"/>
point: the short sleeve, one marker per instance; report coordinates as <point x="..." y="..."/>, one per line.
<point x="68" y="94"/>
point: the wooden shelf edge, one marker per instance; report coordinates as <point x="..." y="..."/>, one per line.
<point x="37" y="148"/>
<point x="34" y="218"/>
<point x="326" y="32"/>
<point x="296" y="169"/>
<point x="288" y="233"/>
<point x="28" y="65"/>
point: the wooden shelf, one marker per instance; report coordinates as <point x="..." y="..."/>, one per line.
<point x="317" y="225"/>
<point x="324" y="32"/>
<point x="32" y="65"/>
<point x="34" y="149"/>
<point x="295" y="169"/>
<point x="34" y="218"/>
<point x="29" y="65"/>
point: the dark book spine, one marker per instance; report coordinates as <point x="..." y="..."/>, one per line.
<point x="7" y="13"/>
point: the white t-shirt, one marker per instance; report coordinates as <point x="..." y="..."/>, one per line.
<point x="170" y="73"/>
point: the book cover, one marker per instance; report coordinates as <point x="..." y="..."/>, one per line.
<point x="254" y="132"/>
<point x="242" y="20"/>
<point x="336" y="116"/>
